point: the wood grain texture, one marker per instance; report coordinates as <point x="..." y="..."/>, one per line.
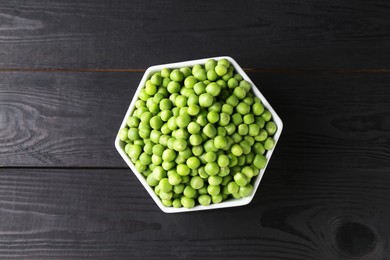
<point x="62" y="119"/>
<point x="71" y="119"/>
<point x="106" y="214"/>
<point x="136" y="34"/>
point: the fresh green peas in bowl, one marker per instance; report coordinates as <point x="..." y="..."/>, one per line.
<point x="198" y="135"/>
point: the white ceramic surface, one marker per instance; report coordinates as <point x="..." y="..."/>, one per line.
<point x="225" y="204"/>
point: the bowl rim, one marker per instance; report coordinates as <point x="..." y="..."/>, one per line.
<point x="119" y="145"/>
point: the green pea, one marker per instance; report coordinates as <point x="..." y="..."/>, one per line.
<point x="195" y="140"/>
<point x="210" y="64"/>
<point x="123" y="134"/>
<point x="216" y="106"/>
<point x="193" y="128"/>
<point x="230" y="128"/>
<point x="241" y="160"/>
<point x="197" y="150"/>
<point x="224" y="171"/>
<point x="213" y="189"/>
<point x="156" y="79"/>
<point x="240" y="179"/>
<point x="148" y="148"/>
<point x="220" y="70"/>
<point x="212" y="168"/>
<point x="189" y="192"/>
<point x="178" y="189"/>
<point x="174" y="178"/>
<point x="196" y="182"/>
<point x="133" y="134"/>
<point x="200" y="88"/>
<point x="220" y="142"/>
<point x="165" y="83"/>
<point x="228" y="109"/>
<point x="227" y="76"/>
<point x="204" y="200"/>
<point x="246" y="190"/>
<point x="214" y="180"/>
<point x="213" y="117"/>
<point x="233" y="187"/>
<point x="236" y="150"/>
<point x="249" y="119"/>
<point x="243" y="108"/>
<point x="132" y="121"/>
<point x="139" y="103"/>
<point x="156" y="160"/>
<point x="159" y="173"/>
<point x="248" y="172"/>
<point x="200" y="74"/>
<point x="213" y="89"/>
<point x="173" y="87"/>
<point x="165" y="73"/>
<point x="260" y="161"/>
<point x="169" y="155"/>
<point x="232" y="100"/>
<point x="266" y="115"/>
<point x="176" y="203"/>
<point x="182" y="121"/>
<point x="249" y="99"/>
<point x="193" y="110"/>
<point x="253" y="130"/>
<point x="206" y="100"/>
<point x="181" y="134"/>
<point x="179" y="145"/>
<point x="187" y="202"/>
<point x="168" y="165"/>
<point x="144" y="133"/>
<point x="238" y="77"/>
<point x="243" y="129"/>
<point x="150" y="88"/>
<point x="176" y="75"/>
<point x="193" y="99"/>
<point x="165" y="195"/>
<point x="210" y="157"/>
<point x="224" y="62"/>
<point x="151" y="180"/>
<point x="263" y="134"/>
<point x="269" y="143"/>
<point x="193" y="162"/>
<point x="258" y="148"/>
<point x="186" y="153"/>
<point x="221" y="131"/>
<point x="271" y="128"/>
<point x="164" y="185"/>
<point x="209" y="130"/>
<point x="212" y="75"/>
<point x="257" y="109"/>
<point x="140" y="166"/>
<point x="236" y="137"/>
<point x="250" y="140"/>
<point x="202" y="120"/>
<point x="236" y="119"/>
<point x="182" y="169"/>
<point x="239" y="92"/>
<point x="156" y="122"/>
<point x="223" y="160"/>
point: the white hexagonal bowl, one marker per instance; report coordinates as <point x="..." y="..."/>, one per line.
<point x="225" y="204"/>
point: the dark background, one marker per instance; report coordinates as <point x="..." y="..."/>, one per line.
<point x="69" y="69"/>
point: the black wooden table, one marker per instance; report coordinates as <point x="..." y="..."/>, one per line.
<point x="68" y="70"/>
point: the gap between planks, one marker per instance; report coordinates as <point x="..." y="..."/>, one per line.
<point x="252" y="70"/>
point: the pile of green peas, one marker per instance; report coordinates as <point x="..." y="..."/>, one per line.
<point x="199" y="135"/>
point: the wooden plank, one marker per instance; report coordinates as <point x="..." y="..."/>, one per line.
<point x="96" y="213"/>
<point x="63" y="119"/>
<point x="71" y="119"/>
<point x="136" y="34"/>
